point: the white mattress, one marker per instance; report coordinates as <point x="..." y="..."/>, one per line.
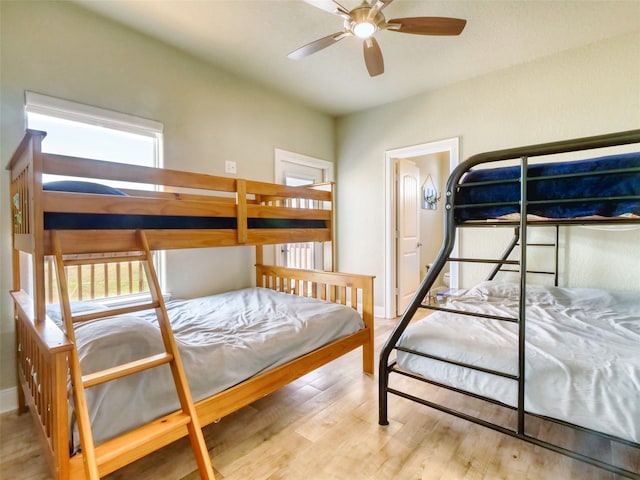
<point x="582" y="352"/>
<point x="223" y="340"/>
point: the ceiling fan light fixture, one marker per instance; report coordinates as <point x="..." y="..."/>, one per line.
<point x="364" y="29"/>
<point x="364" y="21"/>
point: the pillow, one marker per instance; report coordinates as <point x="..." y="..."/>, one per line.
<point x="77" y="186"/>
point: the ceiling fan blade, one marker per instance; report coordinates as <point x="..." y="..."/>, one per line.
<point x="317" y="45"/>
<point x="427" y="25"/>
<point x="330" y="6"/>
<point x="373" y="57"/>
<point x="377" y="5"/>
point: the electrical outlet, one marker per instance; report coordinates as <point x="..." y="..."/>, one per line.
<point x="230" y="166"/>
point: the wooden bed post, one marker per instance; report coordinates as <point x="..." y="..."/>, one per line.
<point x="37" y="222"/>
<point x="259" y="261"/>
<point x="241" y="205"/>
<point x="25" y="183"/>
<point x="367" y="317"/>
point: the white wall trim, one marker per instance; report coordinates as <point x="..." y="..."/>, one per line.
<point x="451" y="146"/>
<point x="291" y="157"/>
<point x="8" y="400"/>
<point x="69" y="110"/>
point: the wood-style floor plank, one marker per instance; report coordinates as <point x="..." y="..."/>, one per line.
<point x="324" y="426"/>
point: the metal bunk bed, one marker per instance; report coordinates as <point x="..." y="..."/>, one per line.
<point x="460" y="213"/>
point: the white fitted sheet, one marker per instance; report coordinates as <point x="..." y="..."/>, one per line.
<point x="582" y="352"/>
<point x="223" y="339"/>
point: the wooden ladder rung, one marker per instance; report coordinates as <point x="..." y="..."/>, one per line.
<point x="119" y="371"/>
<point x="141" y="441"/>
<point x="94" y="261"/>
<point x="112" y="312"/>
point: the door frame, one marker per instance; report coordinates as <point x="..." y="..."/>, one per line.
<point x="451" y="146"/>
<point x="292" y="157"/>
<point x="328" y="169"/>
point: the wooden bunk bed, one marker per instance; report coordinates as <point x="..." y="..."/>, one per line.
<point x="561" y="355"/>
<point x="93" y="224"/>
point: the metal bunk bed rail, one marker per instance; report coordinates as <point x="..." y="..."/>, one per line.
<point x="453" y="187"/>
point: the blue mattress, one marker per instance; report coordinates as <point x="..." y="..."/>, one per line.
<point x="91" y="221"/>
<point x="605" y="186"/>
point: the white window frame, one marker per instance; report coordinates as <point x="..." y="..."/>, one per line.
<point x="78" y="112"/>
<point x="69" y="110"/>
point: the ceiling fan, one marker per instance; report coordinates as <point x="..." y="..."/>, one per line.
<point x="365" y="20"/>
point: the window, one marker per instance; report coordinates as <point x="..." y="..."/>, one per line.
<point x="78" y="130"/>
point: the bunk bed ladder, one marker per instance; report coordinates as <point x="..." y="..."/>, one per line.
<point x="153" y="432"/>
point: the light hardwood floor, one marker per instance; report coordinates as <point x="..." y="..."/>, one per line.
<point x="324" y="426"/>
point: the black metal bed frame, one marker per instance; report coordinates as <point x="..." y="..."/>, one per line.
<point x="388" y="365"/>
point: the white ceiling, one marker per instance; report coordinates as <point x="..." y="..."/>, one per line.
<point x="252" y="38"/>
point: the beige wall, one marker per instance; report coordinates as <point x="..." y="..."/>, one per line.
<point x="58" y="49"/>
<point x="587" y="91"/>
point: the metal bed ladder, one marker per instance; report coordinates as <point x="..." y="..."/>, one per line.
<point x="148" y="437"/>
<point x="515" y="242"/>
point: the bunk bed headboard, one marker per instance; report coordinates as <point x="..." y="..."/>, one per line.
<point x="27" y="219"/>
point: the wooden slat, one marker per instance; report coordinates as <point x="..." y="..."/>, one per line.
<point x="90" y="241"/>
<point x="113" y="204"/>
<point x="278" y="190"/>
<point x="114" y="454"/>
<point x="241" y="187"/>
<point x="97" y="378"/>
<point x="112" y="312"/>
<point x="265" y="211"/>
<point x="98" y="260"/>
<point x="82" y="167"/>
<point x="267" y="236"/>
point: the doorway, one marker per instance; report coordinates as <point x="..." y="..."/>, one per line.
<point x="419" y="154"/>
<point x="293" y="169"/>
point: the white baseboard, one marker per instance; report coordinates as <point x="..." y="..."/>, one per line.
<point x="8" y="400"/>
<point x="378" y="311"/>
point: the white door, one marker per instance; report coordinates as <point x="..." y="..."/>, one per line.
<point x="296" y="170"/>
<point x="408" y="227"/>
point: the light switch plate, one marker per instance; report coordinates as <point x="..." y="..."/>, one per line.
<point x="230" y="166"/>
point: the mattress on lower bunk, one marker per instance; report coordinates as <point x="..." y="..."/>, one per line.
<point x="582" y="352"/>
<point x="223" y="339"/>
<point x="605" y="186"/>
